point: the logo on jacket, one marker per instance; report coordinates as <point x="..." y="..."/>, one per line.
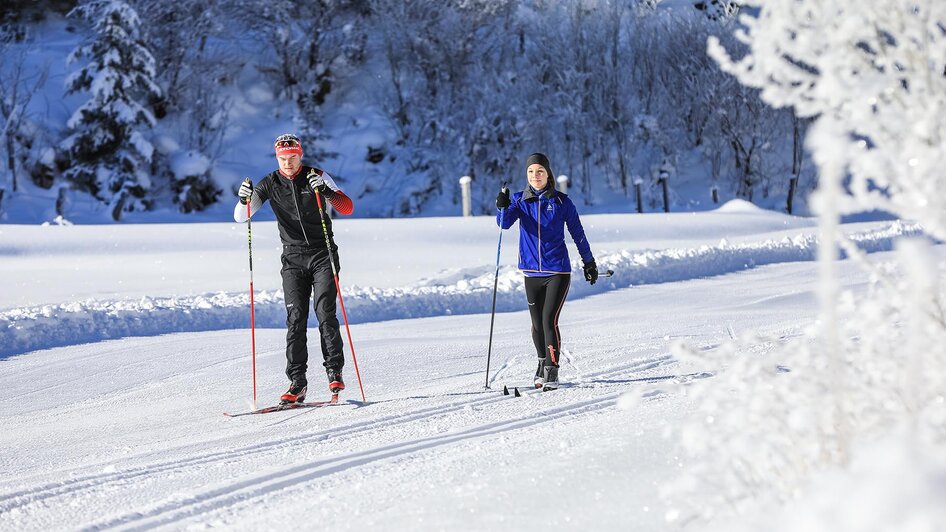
<point x="549" y="208"/>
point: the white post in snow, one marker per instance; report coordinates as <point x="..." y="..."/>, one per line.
<point x="563" y="184"/>
<point x="465" y="191"/>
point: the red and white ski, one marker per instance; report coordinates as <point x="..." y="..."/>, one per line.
<point x="289" y="406"/>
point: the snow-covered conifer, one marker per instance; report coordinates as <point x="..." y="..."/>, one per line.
<point x="108" y="149"/>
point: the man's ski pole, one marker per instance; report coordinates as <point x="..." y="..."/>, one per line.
<point x="492" y="316"/>
<point x="328" y="247"/>
<point x="249" y="239"/>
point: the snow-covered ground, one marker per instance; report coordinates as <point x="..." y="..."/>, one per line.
<point x="112" y="416"/>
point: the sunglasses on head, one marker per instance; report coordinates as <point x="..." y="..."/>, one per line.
<point x="287" y="141"/>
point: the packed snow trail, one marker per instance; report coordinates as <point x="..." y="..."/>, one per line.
<point x="110" y="435"/>
<point x="461" y="292"/>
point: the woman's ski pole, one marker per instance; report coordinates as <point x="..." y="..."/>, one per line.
<point x="249" y="239"/>
<point x="328" y="246"/>
<point x="492" y="315"/>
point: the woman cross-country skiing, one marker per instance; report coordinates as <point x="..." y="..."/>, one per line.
<point x="306" y="270"/>
<point x="543" y="213"/>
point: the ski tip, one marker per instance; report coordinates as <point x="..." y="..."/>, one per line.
<point x="505" y="390"/>
<point x="517" y="392"/>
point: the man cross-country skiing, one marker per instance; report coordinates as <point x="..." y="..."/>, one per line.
<point x="306" y="270"/>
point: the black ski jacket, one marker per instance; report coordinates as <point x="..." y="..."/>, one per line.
<point x="296" y="208"/>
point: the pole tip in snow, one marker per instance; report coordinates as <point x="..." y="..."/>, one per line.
<point x="517" y="394"/>
<point x="505" y="390"/>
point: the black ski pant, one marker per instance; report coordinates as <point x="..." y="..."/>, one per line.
<point x="546" y="296"/>
<point x="307" y="273"/>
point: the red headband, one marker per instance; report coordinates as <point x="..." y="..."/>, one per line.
<point x="283" y="149"/>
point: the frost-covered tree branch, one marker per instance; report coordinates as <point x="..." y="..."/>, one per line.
<point x="871" y="76"/>
<point x="875" y="70"/>
<point x="18" y="85"/>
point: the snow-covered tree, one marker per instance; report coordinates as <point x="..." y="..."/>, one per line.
<point x="315" y="45"/>
<point x="178" y="35"/>
<point x="871" y="76"/>
<point x="19" y="83"/>
<point x="873" y="73"/>
<point x="108" y="150"/>
<point x="194" y="64"/>
<point x="717" y="9"/>
<point x="452" y="96"/>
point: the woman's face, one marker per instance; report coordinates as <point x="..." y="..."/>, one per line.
<point x="537" y="176"/>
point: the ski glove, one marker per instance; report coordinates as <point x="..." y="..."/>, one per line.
<point x="591" y="271"/>
<point x="502" y="200"/>
<point x="246" y="190"/>
<point x="316" y="182"/>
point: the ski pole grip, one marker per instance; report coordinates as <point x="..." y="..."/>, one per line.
<point x="248" y="184"/>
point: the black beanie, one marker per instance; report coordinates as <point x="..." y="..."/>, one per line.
<point x="540" y="158"/>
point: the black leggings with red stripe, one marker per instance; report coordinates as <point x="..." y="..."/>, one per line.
<point x="546" y="296"/>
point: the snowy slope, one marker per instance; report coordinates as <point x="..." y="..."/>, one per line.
<point x="129" y="433"/>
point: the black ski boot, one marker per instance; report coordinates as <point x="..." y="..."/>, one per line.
<point x="335" y="382"/>
<point x="551" y="378"/>
<point x="295" y="394"/>
<point x="540" y="374"/>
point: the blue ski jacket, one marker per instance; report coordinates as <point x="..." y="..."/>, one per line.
<point x="542" y="221"/>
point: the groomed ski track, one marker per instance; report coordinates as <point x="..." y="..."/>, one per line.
<point x="128" y="434"/>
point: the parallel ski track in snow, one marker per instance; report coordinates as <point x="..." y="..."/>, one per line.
<point x="253" y="486"/>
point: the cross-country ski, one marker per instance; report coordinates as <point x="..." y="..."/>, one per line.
<point x="286" y="406"/>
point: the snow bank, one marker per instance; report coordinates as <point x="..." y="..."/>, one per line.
<point x="457" y="292"/>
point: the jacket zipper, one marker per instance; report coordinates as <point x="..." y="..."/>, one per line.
<point x="538" y="218"/>
<point x="292" y="184"/>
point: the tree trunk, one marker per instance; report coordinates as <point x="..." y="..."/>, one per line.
<point x="119" y="205"/>
<point x="11" y="161"/>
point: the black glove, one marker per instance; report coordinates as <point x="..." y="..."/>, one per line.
<point x="246" y="190"/>
<point x="591" y="271"/>
<point x="502" y="200"/>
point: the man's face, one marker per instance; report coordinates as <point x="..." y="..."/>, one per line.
<point x="289" y="164"/>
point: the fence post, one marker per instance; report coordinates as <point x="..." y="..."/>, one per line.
<point x="465" y="192"/>
<point x="663" y="183"/>
<point x="562" y="184"/>
<point x="714" y="192"/>
<point x="637" y="190"/>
